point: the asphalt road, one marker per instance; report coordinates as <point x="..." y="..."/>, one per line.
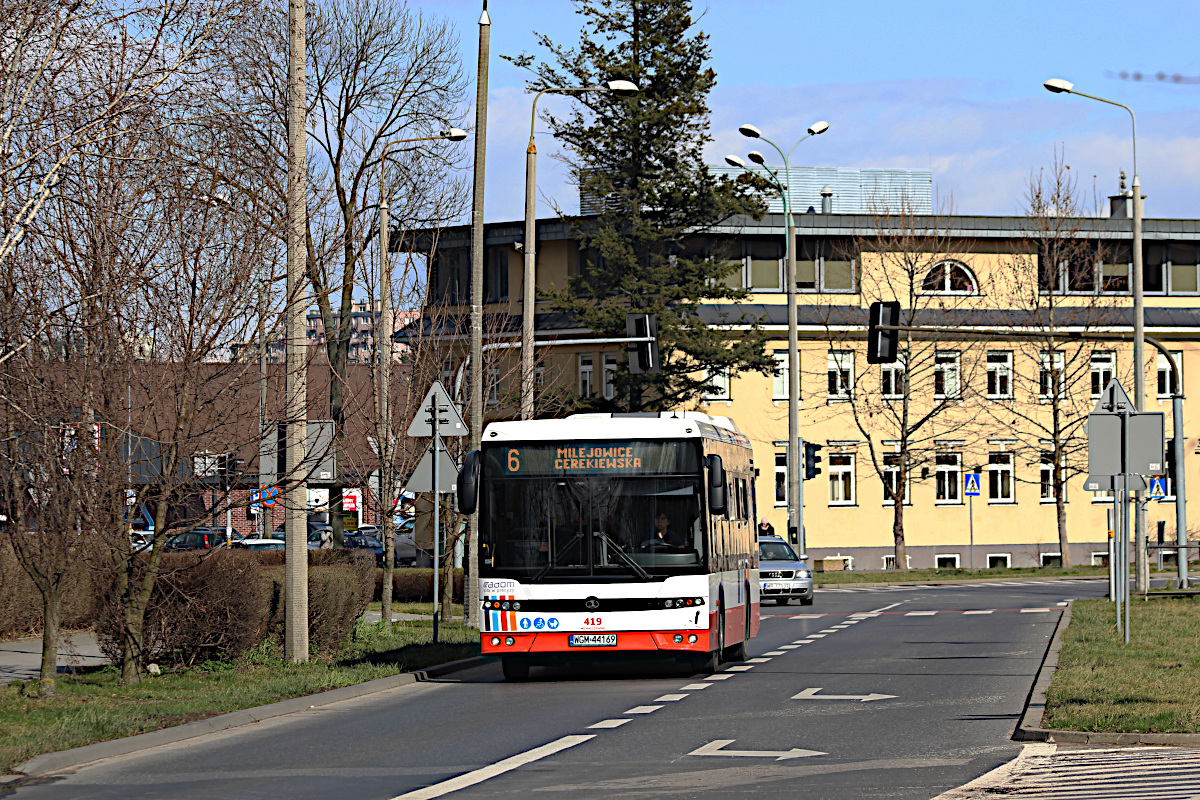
<point x="956" y="683"/>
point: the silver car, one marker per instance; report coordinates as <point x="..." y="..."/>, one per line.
<point x="782" y="574"/>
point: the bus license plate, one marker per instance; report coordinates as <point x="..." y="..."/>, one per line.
<point x="592" y="640"/>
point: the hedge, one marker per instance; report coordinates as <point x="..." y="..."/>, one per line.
<point x="412" y="585"/>
<point x="21" y="602"/>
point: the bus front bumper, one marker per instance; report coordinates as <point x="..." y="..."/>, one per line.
<point x="689" y="641"/>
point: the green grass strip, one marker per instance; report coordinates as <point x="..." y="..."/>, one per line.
<point x="1151" y="685"/>
<point x="900" y="575"/>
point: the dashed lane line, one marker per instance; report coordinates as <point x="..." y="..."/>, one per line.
<point x="920" y="613"/>
<point x="741" y="668"/>
<point x="694" y="687"/>
<point x="720" y="676"/>
<point x="670" y="698"/>
<point x="610" y="723"/>
<point x="774" y="653"/>
<point x="980" y="611"/>
<point x="643" y="709"/>
<point x="757" y="660"/>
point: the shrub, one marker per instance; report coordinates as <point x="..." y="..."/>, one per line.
<point x="204" y="607"/>
<point x="21" y="602"/>
<point x="337" y="596"/>
<point x="415" y="585"/>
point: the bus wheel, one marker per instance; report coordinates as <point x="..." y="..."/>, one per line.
<point x="737" y="652"/>
<point x="712" y="662"/>
<point x="515" y="668"/>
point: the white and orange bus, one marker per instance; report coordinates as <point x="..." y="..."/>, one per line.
<point x="606" y="534"/>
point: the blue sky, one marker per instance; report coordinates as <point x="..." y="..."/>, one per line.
<point x="951" y="87"/>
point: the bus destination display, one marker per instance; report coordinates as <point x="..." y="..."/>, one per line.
<point x="595" y="458"/>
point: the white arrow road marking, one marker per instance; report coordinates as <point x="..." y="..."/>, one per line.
<point x="492" y="770"/>
<point x="716" y="748"/>
<point x="811" y="694"/>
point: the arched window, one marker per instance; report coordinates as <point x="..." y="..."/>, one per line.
<point x="950" y="277"/>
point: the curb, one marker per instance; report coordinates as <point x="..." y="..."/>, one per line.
<point x="40" y="766"/>
<point x="1029" y="729"/>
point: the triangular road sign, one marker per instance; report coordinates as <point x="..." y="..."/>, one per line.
<point x="1114" y="400"/>
<point x="971" y="488"/>
<point x="450" y="421"/>
<point x="422" y="477"/>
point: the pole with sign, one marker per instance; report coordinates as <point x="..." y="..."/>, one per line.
<point x="971" y="484"/>
<point x="436" y="471"/>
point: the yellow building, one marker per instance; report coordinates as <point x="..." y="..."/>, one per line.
<point x="976" y="404"/>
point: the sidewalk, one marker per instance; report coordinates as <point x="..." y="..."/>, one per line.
<point x="1059" y="771"/>
<point x="21" y="659"/>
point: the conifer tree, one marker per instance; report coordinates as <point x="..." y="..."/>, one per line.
<point x="642" y="157"/>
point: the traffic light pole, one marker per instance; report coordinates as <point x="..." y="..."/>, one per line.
<point x="797" y="458"/>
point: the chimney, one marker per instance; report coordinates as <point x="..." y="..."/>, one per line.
<point x="826" y="200"/>
<point x="1120" y="205"/>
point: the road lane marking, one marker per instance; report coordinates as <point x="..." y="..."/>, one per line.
<point x="499" y="768"/>
<point x="741" y="668"/>
<point x="789" y="647"/>
<point x="669" y="698"/>
<point x="841" y="627"/>
<point x="692" y="686"/>
<point x="757" y="660"/>
<point x="830" y="630"/>
<point x="610" y="723"/>
<point x="817" y="636"/>
<point x="719" y="677"/>
<point x="1063" y="603"/>
<point x="808" y="616"/>
<point x="775" y="653"/>
<point x="920" y="613"/>
<point x="862" y="616"/>
<point x="1036" y="610"/>
<point x="885" y="608"/>
<point x="643" y="709"/>
<point x="811" y="694"/>
<point x="984" y="611"/>
<point x="717" y="748"/>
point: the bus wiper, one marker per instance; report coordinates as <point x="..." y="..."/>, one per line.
<point x="624" y="557"/>
<point x="554" y="562"/>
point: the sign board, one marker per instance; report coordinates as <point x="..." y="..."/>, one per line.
<point x="131" y="497"/>
<point x="971" y="484"/>
<point x="319" y="462"/>
<point x="1158" y="488"/>
<point x="450" y="421"/>
<point x="422" y="476"/>
<point x="1143" y="452"/>
<point x="349" y="500"/>
<point x="255" y="498"/>
<point x="270" y="495"/>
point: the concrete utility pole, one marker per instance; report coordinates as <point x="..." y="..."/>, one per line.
<point x="478" y="368"/>
<point x="295" y="498"/>
<point x="383" y="345"/>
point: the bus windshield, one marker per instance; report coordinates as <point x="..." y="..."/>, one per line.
<point x="606" y="510"/>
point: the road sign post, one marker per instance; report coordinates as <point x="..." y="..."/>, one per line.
<point x="971" y="484"/>
<point x="436" y="414"/>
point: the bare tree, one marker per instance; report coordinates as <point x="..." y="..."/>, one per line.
<point x="1062" y="278"/>
<point x="902" y="410"/>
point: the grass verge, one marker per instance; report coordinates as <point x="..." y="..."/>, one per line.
<point x="1151" y="685"/>
<point x="956" y="574"/>
<point x="414" y="608"/>
<point x="92" y="707"/>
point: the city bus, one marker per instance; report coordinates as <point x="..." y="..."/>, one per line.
<point x="607" y="534"/>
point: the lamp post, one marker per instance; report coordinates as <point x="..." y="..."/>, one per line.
<point x="794" y="456"/>
<point x="383" y="375"/>
<point x="529" y="289"/>
<point x="1060" y="86"/>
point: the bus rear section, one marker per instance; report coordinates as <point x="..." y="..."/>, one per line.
<point x="604" y="537"/>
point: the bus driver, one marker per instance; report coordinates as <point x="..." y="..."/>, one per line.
<point x="663" y="534"/>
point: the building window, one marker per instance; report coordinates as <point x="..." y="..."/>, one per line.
<point x="889" y="562"/>
<point x="587" y="380"/>
<point x="1047" y="477"/>
<point x="1183" y="258"/>
<point x="493" y="395"/>
<point x="999" y="560"/>
<point x="837" y="267"/>
<point x="891" y="481"/>
<point x="948" y="478"/>
<point x="781" y="480"/>
<point x="1099" y="558"/>
<point x="841" y="374"/>
<point x="495" y="274"/>
<point x="946" y="561"/>
<point x="949" y="277"/>
<point x="716" y="385"/>
<point x="539" y="376"/>
<point x="781" y="374"/>
<point x="1000" y="478"/>
<point x="841" y="479"/>
<point x="1166" y="381"/>
<point x="1115" y="272"/>
<point x="1104" y="366"/>
<point x="947" y="367"/>
<point x="891" y="380"/>
<point x="610" y="376"/>
<point x="765" y="260"/>
<point x="448" y="375"/>
<point x="999" y="375"/>
<point x="1051" y="559"/>
<point x="1050" y="374"/>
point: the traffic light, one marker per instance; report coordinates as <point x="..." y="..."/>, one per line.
<point x="811" y="459"/>
<point x="643" y="356"/>
<point x="882" y="346"/>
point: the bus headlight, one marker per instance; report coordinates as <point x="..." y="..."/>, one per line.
<point x="679" y="638"/>
<point x="508" y="640"/>
<point x="691" y="638"/>
<point x="495" y="641"/>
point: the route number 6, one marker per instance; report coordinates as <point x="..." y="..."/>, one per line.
<point x="514" y="460"/>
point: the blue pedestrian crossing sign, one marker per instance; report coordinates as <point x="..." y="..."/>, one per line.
<point x="1158" y="488"/>
<point x="971" y="484"/>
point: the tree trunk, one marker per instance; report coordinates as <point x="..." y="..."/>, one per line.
<point x="1060" y="511"/>
<point x="51" y="621"/>
<point x="131" y="649"/>
<point x="389" y="558"/>
<point x="898" y="534"/>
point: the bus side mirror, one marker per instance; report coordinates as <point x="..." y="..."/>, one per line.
<point x="468" y="483"/>
<point x="716" y="485"/>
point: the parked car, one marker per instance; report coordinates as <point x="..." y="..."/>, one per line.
<point x="314" y="534"/>
<point x="196" y="539"/>
<point x="782" y="574"/>
<point x="258" y="544"/>
<point x="362" y="541"/>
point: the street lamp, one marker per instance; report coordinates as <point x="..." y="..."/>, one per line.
<point x="383" y="344"/>
<point x="620" y="88"/>
<point x="1060" y="86"/>
<point x="795" y="520"/>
